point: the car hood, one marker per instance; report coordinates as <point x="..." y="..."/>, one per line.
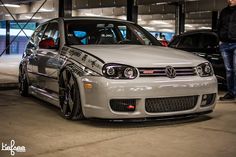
<point x="142" y="56"/>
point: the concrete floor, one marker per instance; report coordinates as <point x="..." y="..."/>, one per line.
<point x="39" y="127"/>
<point x="9" y="68"/>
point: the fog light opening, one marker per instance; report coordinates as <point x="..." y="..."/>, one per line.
<point x="123" y="105"/>
<point x="207" y="100"/>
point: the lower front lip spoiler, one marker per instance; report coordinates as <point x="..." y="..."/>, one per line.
<point x="163" y="118"/>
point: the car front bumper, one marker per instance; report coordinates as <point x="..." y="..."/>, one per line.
<point x="97" y="92"/>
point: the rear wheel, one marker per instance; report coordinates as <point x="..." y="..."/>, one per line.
<point x="70" y="101"/>
<point x="23" y="83"/>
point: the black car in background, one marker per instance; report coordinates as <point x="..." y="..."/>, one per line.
<point x="204" y="43"/>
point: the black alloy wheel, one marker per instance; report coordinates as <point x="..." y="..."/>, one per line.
<point x="70" y="101"/>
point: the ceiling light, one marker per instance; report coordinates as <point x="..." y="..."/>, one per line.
<point x="158" y="22"/>
<point x="188" y="25"/>
<point x="166" y="30"/>
<point x="161" y="3"/>
<point x="35" y="17"/>
<point x="149" y="28"/>
<point x="46" y="10"/>
<point x="90" y="14"/>
<point x="204" y="27"/>
<point x="11" y="5"/>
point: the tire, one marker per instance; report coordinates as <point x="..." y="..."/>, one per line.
<point x="23" y="83"/>
<point x="69" y="98"/>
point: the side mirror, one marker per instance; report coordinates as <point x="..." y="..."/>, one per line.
<point x="47" y="44"/>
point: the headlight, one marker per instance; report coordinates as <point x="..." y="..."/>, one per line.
<point x="205" y="70"/>
<point x="119" y="71"/>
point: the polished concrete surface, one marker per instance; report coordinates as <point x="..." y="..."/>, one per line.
<point x="39" y="127"/>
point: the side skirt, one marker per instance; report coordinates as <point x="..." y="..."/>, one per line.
<point x="44" y="95"/>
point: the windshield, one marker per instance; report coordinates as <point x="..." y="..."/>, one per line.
<point x="101" y="32"/>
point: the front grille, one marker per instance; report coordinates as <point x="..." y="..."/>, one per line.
<point x="121" y="105"/>
<point x="171" y="104"/>
<point x="158" y="72"/>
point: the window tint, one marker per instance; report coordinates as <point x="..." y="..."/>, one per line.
<point x="123" y="30"/>
<point x="190" y="41"/>
<point x="175" y="41"/>
<point x="208" y="41"/>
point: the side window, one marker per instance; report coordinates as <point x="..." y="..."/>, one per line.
<point x="82" y="35"/>
<point x="106" y="36"/>
<point x="52" y="31"/>
<point x="132" y="35"/>
<point x="143" y="37"/>
<point x="208" y="41"/>
<point x="123" y="31"/>
<point x="190" y="41"/>
<point x="36" y="36"/>
<point x="174" y="41"/>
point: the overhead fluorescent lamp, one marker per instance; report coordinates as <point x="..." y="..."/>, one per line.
<point x="166" y="30"/>
<point x="188" y="25"/>
<point x="11" y="5"/>
<point x="46" y="10"/>
<point x="149" y="28"/>
<point x="205" y="27"/>
<point x="161" y="3"/>
<point x="35" y="17"/>
<point x="158" y="22"/>
<point x="192" y="0"/>
<point x="90" y="14"/>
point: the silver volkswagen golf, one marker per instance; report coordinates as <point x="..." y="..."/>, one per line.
<point x="113" y="69"/>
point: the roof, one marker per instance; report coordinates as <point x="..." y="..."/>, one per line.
<point x="90" y="18"/>
<point x="198" y="31"/>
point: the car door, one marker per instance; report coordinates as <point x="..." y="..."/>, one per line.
<point x="48" y="58"/>
<point x="31" y="53"/>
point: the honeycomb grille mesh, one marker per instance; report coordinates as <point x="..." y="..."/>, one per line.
<point x="172" y="104"/>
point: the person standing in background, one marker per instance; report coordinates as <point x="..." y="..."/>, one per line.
<point x="227" y="35"/>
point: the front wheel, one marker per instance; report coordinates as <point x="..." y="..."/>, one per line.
<point x="70" y="101"/>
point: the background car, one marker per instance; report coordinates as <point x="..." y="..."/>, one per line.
<point x="204" y="43"/>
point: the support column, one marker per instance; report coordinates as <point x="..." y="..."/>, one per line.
<point x="179" y="18"/>
<point x="65" y="8"/>
<point x="214" y="21"/>
<point x="7" y="37"/>
<point x="36" y="24"/>
<point x="132" y="11"/>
